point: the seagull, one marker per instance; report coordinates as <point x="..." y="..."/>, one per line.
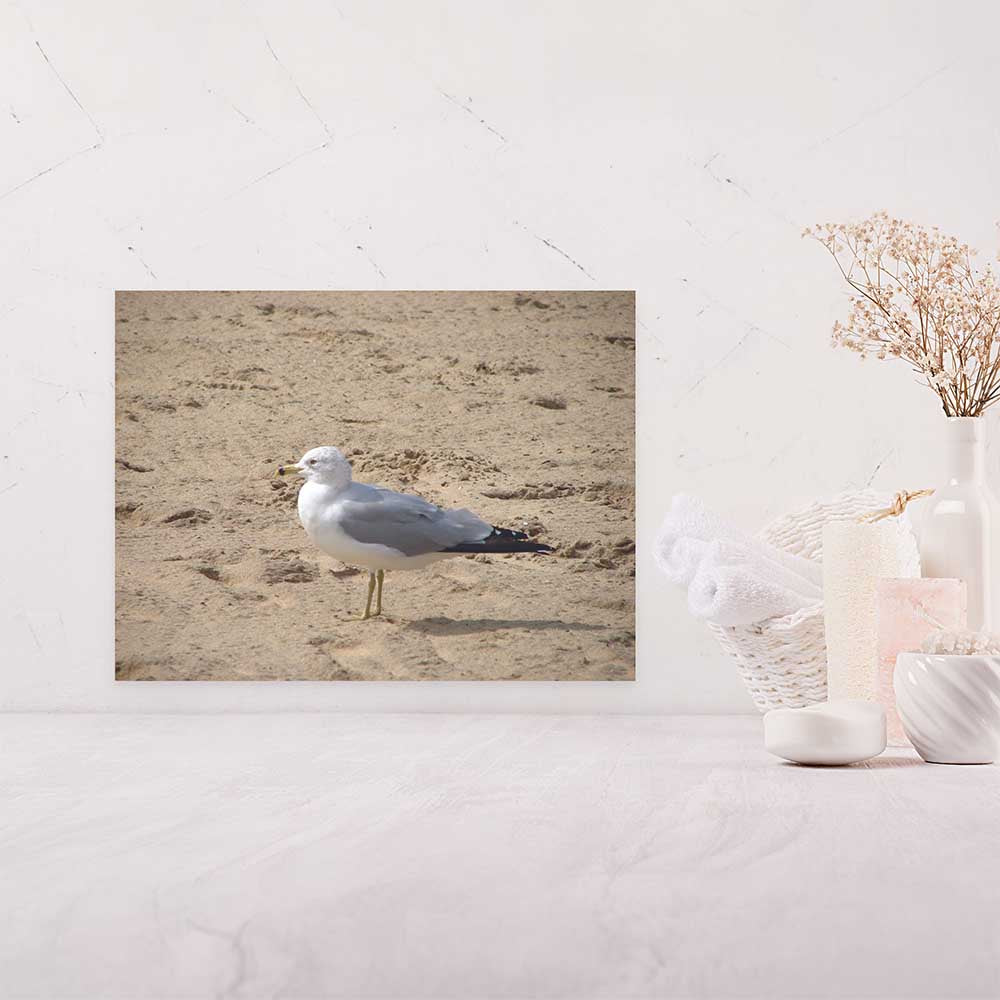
<point x="379" y="529"/>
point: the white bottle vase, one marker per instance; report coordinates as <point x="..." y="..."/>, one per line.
<point x="958" y="532"/>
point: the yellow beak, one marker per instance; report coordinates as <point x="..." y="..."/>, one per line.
<point x="291" y="469"/>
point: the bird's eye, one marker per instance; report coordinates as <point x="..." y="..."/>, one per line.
<point x="312" y="461"/>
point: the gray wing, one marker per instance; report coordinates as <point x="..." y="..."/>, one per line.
<point x="405" y="522"/>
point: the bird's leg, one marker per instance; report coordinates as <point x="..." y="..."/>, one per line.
<point x="371" y="590"/>
<point x="378" y="600"/>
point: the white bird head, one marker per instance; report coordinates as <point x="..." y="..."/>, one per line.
<point x="325" y="465"/>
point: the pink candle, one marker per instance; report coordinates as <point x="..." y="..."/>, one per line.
<point x="906" y="612"/>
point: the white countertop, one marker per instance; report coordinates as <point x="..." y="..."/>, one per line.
<point x="512" y="856"/>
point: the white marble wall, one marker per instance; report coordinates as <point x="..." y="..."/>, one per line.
<point x="675" y="148"/>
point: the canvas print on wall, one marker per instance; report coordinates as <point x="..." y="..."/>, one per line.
<point x="375" y="486"/>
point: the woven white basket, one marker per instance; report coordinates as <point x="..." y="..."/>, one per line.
<point x="782" y="661"/>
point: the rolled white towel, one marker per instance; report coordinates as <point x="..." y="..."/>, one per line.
<point x="680" y="544"/>
<point x="772" y="564"/>
<point x="689" y="525"/>
<point x="684" y="559"/>
<point x="739" y="595"/>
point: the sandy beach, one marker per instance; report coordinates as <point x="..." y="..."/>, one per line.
<point x="517" y="405"/>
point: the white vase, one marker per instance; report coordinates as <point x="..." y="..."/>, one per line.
<point x="958" y="536"/>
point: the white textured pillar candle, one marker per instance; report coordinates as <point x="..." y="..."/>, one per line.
<point x="855" y="556"/>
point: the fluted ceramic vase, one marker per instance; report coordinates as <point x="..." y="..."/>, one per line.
<point x="950" y="706"/>
<point x="959" y="534"/>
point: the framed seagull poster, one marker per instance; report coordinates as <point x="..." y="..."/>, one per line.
<point x="375" y="486"/>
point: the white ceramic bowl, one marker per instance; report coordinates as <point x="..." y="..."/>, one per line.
<point x="950" y="706"/>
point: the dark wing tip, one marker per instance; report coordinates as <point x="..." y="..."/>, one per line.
<point x="503" y="540"/>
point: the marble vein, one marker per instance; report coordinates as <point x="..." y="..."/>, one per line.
<point x="482" y="121"/>
<point x="138" y="256"/>
<point x="50" y="169"/>
<point x="562" y="253"/>
<point x="305" y="100"/>
<point x="708" y="372"/>
<point x="281" y="166"/>
<point x="878" y="110"/>
<point x="76" y="100"/>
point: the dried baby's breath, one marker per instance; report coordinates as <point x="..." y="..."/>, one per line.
<point x="917" y="296"/>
